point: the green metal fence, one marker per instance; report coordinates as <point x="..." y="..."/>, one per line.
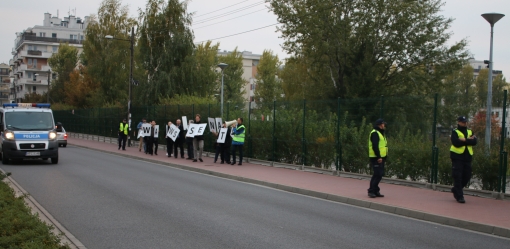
<point x="332" y="134"/>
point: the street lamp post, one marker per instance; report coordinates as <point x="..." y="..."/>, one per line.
<point x="131" y="48"/>
<point x="222" y="66"/>
<point x="492" y="18"/>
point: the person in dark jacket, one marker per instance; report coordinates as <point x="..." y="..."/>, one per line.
<point x="225" y="147"/>
<point x="189" y="143"/>
<point x="461" y="154"/>
<point x="152" y="140"/>
<point x="377" y="152"/>
<point x="198" y="143"/>
<point x="179" y="141"/>
<point x="169" y="142"/>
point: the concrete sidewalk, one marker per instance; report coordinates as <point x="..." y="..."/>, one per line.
<point x="479" y="214"/>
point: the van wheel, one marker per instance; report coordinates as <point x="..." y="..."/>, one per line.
<point x="54" y="160"/>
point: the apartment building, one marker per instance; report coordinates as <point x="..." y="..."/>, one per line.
<point x="479" y="65"/>
<point x="250" y="62"/>
<point x="35" y="45"/>
<point x="4" y="83"/>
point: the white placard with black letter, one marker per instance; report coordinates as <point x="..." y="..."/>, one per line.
<point x="212" y="125"/>
<point x="156" y="131"/>
<point x="222" y="135"/>
<point x="146" y="130"/>
<point x="173" y="132"/>
<point x="184" y="122"/>
<point x="219" y="123"/>
<point x="196" y="130"/>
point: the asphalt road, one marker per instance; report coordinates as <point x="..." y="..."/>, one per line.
<point x="109" y="201"/>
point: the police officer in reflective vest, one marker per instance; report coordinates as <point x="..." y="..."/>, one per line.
<point x="123" y="132"/>
<point x="377" y="152"/>
<point x="238" y="141"/>
<point x="461" y="153"/>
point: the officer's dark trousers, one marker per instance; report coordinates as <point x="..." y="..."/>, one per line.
<point x="122" y="141"/>
<point x="461" y="172"/>
<point x="378" y="169"/>
<point x="234" y="148"/>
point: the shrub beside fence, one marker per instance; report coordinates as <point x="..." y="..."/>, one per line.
<point x="329" y="134"/>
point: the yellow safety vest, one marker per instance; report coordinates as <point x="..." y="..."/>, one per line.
<point x="125" y="128"/>
<point x="240" y="137"/>
<point x="460" y="150"/>
<point x="383" y="145"/>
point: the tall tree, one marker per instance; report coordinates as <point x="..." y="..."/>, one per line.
<point x="234" y="83"/>
<point x="458" y="96"/>
<point x="62" y="63"/>
<point x="84" y="90"/>
<point x="166" y="44"/>
<point x="369" y="48"/>
<point x="108" y="61"/>
<point x="268" y="86"/>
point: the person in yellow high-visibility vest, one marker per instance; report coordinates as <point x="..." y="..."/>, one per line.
<point x="239" y="131"/>
<point x="377" y="152"/>
<point x="461" y="153"/>
<point x="123" y="132"/>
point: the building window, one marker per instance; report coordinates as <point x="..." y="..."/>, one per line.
<point x="81" y="37"/>
<point x="73" y="37"/>
<point x="29" y="75"/>
<point x="34" y="62"/>
<point x="53" y="35"/>
<point x="42" y="34"/>
<point x="55" y="49"/>
<point x="33" y="88"/>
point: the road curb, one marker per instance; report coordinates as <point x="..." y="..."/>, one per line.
<point x="58" y="229"/>
<point x="420" y="215"/>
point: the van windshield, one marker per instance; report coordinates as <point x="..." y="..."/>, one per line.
<point x="29" y="121"/>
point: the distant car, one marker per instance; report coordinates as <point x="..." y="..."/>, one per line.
<point x="61" y="136"/>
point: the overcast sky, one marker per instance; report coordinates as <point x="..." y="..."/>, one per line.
<point x="252" y="14"/>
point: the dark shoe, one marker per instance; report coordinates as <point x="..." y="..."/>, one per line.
<point x="182" y="156"/>
<point x="222" y="162"/>
<point x="239" y="164"/>
<point x="175" y="157"/>
<point x="378" y="195"/>
<point x="371" y="195"/>
<point x="228" y="162"/>
<point x="123" y="149"/>
<point x="156" y="154"/>
<point x="139" y="149"/>
<point x="461" y="200"/>
<point x="119" y="148"/>
<point x="233" y="163"/>
<point x="200" y="159"/>
<point x="214" y="161"/>
<point x="194" y="160"/>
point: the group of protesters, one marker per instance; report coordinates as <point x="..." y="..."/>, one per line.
<point x="195" y="144"/>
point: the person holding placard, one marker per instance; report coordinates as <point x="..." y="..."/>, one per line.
<point x="238" y="141"/>
<point x="179" y="141"/>
<point x="198" y="142"/>
<point x="225" y="147"/>
<point x="169" y="142"/>
<point x="152" y="140"/>
<point x="142" y="142"/>
<point x="189" y="143"/>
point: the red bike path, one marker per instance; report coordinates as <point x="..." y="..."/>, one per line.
<point x="480" y="214"/>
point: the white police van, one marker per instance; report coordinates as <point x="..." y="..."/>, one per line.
<point x="27" y="131"/>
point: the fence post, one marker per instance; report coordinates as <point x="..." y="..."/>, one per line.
<point x="435" y="151"/>
<point x="505" y="168"/>
<point x="274" y="129"/>
<point x="502" y="172"/>
<point x="382" y="107"/>
<point x="303" y="139"/>
<point x="338" y="144"/>
<point x="249" y="130"/>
